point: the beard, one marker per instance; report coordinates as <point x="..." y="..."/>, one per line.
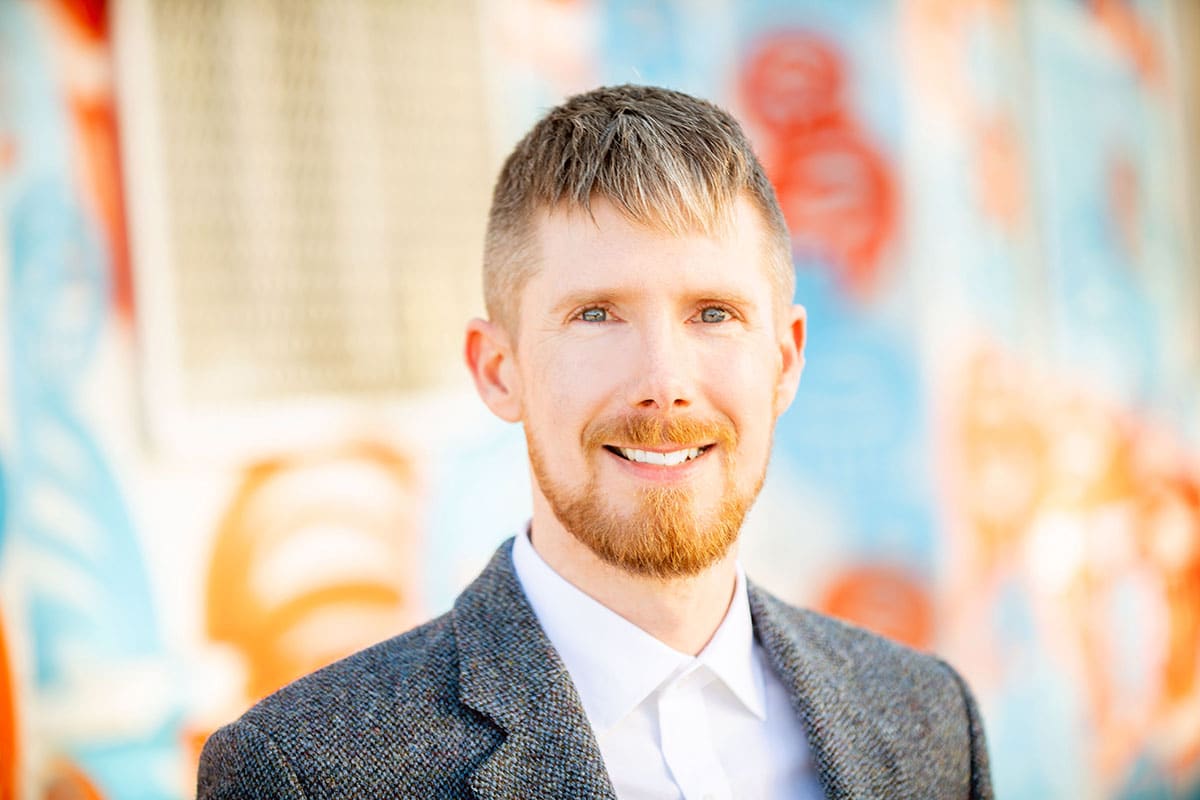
<point x="665" y="536"/>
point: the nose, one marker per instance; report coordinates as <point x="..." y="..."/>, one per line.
<point x="664" y="367"/>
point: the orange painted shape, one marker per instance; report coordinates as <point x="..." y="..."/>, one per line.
<point x="1179" y="562"/>
<point x="1125" y="27"/>
<point x="81" y="30"/>
<point x="10" y="753"/>
<point x="274" y="663"/>
<point x="324" y="610"/>
<point x="95" y="126"/>
<point x="1003" y="469"/>
<point x="885" y="600"/>
<point x="1000" y="172"/>
<point x="8" y="153"/>
<point x="69" y="782"/>
<point x="87" y="19"/>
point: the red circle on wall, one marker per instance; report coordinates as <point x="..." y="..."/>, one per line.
<point x="792" y="82"/>
<point x="839" y="200"/>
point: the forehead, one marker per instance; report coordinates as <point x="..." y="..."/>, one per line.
<point x="606" y="251"/>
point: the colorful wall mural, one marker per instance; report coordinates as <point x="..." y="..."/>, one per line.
<point x="994" y="454"/>
<point x="91" y="645"/>
<point x="309" y="552"/>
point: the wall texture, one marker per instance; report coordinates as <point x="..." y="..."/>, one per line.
<point x="239" y="240"/>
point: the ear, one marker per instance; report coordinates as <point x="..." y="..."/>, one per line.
<point x="792" y="333"/>
<point x="492" y="363"/>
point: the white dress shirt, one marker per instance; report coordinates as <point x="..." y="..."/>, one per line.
<point x="672" y="725"/>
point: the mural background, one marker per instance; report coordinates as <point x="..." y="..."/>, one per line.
<point x="238" y="242"/>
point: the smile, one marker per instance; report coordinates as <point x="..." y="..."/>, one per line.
<point x="668" y="459"/>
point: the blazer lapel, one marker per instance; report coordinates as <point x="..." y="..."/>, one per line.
<point x="853" y="753"/>
<point x="509" y="671"/>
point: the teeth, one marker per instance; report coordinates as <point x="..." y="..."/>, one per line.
<point x="671" y="459"/>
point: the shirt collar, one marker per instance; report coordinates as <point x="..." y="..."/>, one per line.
<point x="733" y="654"/>
<point x="613" y="663"/>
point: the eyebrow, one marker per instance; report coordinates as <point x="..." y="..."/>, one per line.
<point x="602" y="295"/>
<point x="583" y="297"/>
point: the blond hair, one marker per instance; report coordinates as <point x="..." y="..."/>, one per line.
<point x="665" y="159"/>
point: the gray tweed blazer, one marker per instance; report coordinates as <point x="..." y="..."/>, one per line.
<point x="477" y="703"/>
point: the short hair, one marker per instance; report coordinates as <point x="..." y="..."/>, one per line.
<point x="665" y="159"/>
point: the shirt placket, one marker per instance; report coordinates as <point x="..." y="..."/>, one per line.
<point x="687" y="742"/>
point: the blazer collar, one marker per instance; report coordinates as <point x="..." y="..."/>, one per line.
<point x="509" y="671"/>
<point x="854" y="754"/>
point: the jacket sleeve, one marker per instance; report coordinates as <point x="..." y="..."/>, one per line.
<point x="241" y="761"/>
<point x="981" y="774"/>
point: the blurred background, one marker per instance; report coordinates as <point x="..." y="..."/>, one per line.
<point x="239" y="240"/>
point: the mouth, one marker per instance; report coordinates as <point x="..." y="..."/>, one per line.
<point x="669" y="458"/>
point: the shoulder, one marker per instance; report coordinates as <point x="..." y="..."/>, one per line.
<point x="878" y="667"/>
<point x="383" y="714"/>
<point x="409" y="667"/>
<point x="893" y="704"/>
<point x="838" y="665"/>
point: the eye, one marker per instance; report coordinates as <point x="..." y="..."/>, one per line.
<point x="594" y="315"/>
<point x="715" y="314"/>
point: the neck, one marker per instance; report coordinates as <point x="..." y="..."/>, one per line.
<point x="682" y="613"/>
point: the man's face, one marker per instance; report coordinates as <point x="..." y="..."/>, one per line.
<point x="651" y="370"/>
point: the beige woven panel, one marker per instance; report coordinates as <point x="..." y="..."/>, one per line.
<point x="326" y="181"/>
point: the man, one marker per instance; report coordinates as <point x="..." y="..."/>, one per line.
<point x="638" y="281"/>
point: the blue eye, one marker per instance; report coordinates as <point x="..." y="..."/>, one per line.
<point x="594" y="315"/>
<point x="714" y="314"/>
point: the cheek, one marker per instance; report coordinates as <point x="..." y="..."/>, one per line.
<point x="745" y="383"/>
<point x="567" y="388"/>
<point x="744" y="391"/>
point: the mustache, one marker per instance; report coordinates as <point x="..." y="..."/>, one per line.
<point x="651" y="431"/>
